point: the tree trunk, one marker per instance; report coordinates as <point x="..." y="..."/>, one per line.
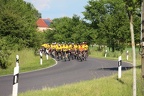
<point x="134" y="54"/>
<point x="113" y="46"/>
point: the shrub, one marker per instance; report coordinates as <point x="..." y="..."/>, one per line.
<point x="4" y="56"/>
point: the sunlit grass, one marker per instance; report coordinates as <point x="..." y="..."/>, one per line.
<point x="27" y="62"/>
<point x="115" y="55"/>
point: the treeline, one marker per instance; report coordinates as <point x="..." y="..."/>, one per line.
<point x="105" y="22"/>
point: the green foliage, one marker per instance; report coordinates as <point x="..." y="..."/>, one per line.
<point x="17" y="27"/>
<point x="69" y="30"/>
<point x="132" y="6"/>
<point x="133" y="9"/>
<point x="110" y="21"/>
<point x="18" y="23"/>
<point x="106" y="23"/>
<point x="4" y="55"/>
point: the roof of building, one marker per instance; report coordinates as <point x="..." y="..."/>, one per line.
<point x="43" y="22"/>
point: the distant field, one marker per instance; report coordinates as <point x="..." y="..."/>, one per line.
<point x="27" y="62"/>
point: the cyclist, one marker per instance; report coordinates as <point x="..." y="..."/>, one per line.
<point x="80" y="52"/>
<point x="85" y="46"/>
<point x="76" y="47"/>
<point x="47" y="48"/>
<point x="81" y="47"/>
<point x="65" y="50"/>
<point x="72" y="51"/>
<point x="59" y="51"/>
<point x="53" y="49"/>
<point x="69" y="49"/>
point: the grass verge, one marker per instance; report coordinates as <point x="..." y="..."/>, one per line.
<point x="27" y="62"/>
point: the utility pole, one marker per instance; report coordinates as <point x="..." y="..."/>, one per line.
<point x="142" y="44"/>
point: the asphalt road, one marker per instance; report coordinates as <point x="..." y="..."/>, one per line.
<point x="63" y="73"/>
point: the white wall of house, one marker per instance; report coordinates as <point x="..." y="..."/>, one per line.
<point x="42" y="28"/>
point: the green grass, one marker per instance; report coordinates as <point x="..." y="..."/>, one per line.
<point x="27" y="62"/>
<point x="107" y="86"/>
<point x="115" y="55"/>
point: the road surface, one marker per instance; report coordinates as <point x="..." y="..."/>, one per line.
<point x="63" y="73"/>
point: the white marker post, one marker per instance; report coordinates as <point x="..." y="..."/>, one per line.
<point x="16" y="78"/>
<point x="46" y="54"/>
<point x="41" y="57"/>
<point x="127" y="55"/>
<point x="119" y="67"/>
<point x="105" y="53"/>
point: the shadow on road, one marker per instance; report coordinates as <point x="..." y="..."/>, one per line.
<point x="115" y="68"/>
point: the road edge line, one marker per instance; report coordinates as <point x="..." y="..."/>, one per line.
<point x="34" y="70"/>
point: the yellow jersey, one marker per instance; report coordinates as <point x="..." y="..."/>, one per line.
<point x="47" y="46"/>
<point x="69" y="47"/>
<point x="58" y="48"/>
<point x="65" y="48"/>
<point x="85" y="47"/>
<point x="53" y="46"/>
<point x="76" y="47"/>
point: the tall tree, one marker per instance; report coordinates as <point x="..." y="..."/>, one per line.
<point x="132" y="7"/>
<point x="108" y="17"/>
<point x="94" y="14"/>
<point x="18" y="22"/>
<point x="17" y="27"/>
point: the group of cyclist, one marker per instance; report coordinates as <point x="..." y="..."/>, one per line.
<point x="67" y="51"/>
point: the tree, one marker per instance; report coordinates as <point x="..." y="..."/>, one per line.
<point x="18" y="22"/>
<point x="17" y="27"/>
<point x="132" y="8"/>
<point x="107" y="17"/>
<point x="67" y="29"/>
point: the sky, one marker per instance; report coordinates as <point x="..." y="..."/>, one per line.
<point x="59" y="8"/>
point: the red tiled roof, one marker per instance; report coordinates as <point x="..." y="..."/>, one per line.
<point x="40" y="23"/>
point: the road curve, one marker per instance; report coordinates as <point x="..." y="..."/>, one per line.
<point x="63" y="73"/>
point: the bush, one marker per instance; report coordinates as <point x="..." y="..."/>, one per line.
<point x="4" y="56"/>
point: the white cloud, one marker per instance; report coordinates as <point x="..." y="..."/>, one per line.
<point x="40" y="4"/>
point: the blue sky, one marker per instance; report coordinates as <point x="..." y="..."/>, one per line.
<point x="59" y="8"/>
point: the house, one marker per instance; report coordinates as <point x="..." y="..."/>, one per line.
<point x="43" y="24"/>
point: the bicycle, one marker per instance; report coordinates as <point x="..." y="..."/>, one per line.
<point x="66" y="55"/>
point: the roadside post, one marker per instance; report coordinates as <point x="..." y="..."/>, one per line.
<point x="40" y="57"/>
<point x="105" y="53"/>
<point x="127" y="55"/>
<point x="119" y="67"/>
<point x="46" y="54"/>
<point x="16" y="78"/>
